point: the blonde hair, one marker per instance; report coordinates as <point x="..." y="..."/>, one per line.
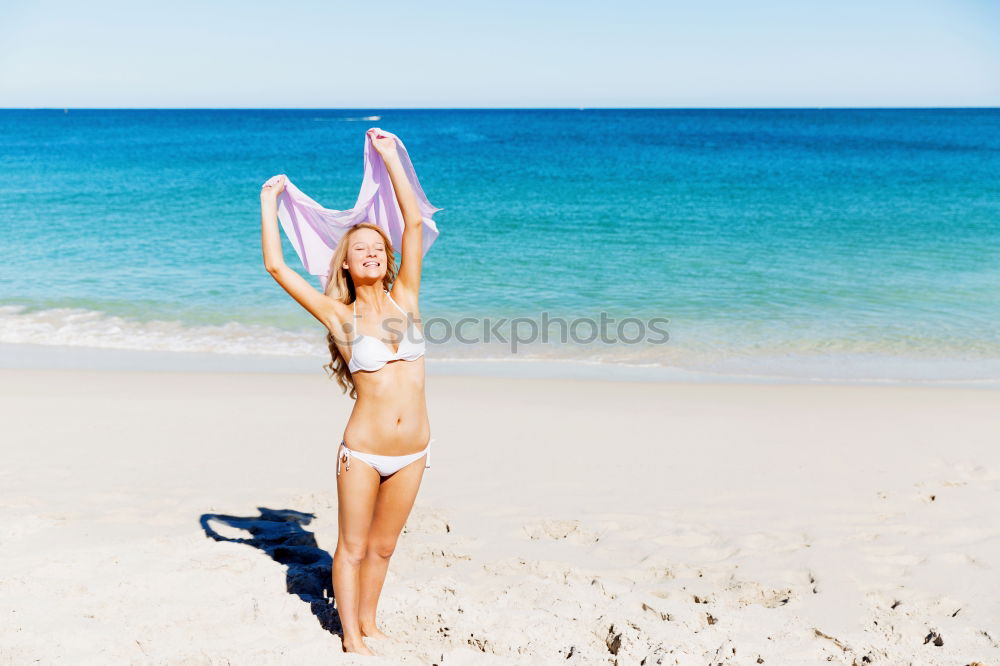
<point x="340" y="287"/>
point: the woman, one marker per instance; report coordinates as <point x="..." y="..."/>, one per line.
<point x="377" y="354"/>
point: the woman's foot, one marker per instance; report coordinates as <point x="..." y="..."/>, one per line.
<point x="373" y="632"/>
<point x="358" y="647"/>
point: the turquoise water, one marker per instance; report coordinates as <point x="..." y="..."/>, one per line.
<point x="852" y="242"/>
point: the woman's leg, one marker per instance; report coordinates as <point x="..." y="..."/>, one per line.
<point x="392" y="507"/>
<point x="357" y="489"/>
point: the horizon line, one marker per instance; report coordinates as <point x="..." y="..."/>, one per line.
<point x="482" y="108"/>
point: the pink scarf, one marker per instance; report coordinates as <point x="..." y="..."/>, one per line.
<point x="314" y="231"/>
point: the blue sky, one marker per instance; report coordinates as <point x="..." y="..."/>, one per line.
<point x="225" y="53"/>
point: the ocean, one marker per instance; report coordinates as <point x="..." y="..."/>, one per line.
<point x="820" y="244"/>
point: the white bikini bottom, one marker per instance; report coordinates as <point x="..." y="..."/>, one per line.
<point x="384" y="465"/>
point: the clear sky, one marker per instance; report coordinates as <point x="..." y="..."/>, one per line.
<point x="516" y="53"/>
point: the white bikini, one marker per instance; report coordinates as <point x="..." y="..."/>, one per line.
<point x="369" y="354"/>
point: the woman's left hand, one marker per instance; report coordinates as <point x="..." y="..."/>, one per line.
<point x="384" y="145"/>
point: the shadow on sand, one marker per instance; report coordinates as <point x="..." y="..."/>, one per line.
<point x="280" y="534"/>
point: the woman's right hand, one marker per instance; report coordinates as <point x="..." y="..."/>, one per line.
<point x="273" y="187"/>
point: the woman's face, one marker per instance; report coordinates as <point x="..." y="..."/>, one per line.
<point x="366" y="256"/>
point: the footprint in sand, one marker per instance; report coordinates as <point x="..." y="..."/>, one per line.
<point x="427" y="522"/>
<point x="548" y="528"/>
<point x="747" y="593"/>
<point x="435" y="553"/>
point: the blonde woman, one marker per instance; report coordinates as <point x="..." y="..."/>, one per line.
<point x="372" y="317"/>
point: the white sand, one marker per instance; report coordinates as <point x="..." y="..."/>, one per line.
<point x="671" y="523"/>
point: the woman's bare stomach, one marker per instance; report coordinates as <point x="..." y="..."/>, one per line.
<point x="390" y="414"/>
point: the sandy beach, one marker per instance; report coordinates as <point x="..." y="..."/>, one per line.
<point x="189" y="518"/>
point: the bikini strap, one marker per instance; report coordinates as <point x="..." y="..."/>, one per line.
<point x="344" y="454"/>
<point x="394" y="302"/>
<point x="355" y="303"/>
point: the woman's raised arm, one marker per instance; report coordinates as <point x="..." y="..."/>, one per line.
<point x="412" y="252"/>
<point x="318" y="304"/>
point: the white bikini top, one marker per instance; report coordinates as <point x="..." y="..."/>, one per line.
<point x="369" y="353"/>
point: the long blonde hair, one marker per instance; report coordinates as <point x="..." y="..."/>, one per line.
<point x="340" y="287"/>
